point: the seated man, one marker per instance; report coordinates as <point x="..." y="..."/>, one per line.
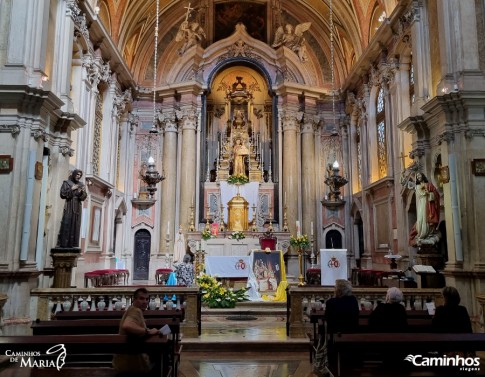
<point x="133" y="324"/>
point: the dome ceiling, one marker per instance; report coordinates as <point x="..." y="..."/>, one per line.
<point x="131" y="24"/>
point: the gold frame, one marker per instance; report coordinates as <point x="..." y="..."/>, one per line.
<point x="6" y="164"/>
<point x="478" y="167"/>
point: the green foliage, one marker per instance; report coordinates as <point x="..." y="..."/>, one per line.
<point x="217" y="296"/>
<point x="240" y="179"/>
<point x="206" y="234"/>
<point x="238" y="236"/>
<point x="300" y="241"/>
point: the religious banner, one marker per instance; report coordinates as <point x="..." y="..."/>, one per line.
<point x="333" y="265"/>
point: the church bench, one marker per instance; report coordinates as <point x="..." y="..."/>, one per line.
<point x="398" y="345"/>
<point x="415" y="325"/>
<point x="88" y="347"/>
<point x="418" y="321"/>
<point x="109" y="326"/>
<point x="117" y="314"/>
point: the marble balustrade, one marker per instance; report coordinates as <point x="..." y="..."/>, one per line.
<point x="45" y="302"/>
<point x="302" y="299"/>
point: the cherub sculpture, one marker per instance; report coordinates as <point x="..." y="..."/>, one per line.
<point x="191" y="33"/>
<point x="293" y="39"/>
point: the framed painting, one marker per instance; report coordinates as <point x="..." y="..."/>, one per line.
<point x="228" y="14"/>
<point x="6" y="164"/>
<point x="478" y="166"/>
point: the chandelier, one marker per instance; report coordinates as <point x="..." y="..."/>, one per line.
<point x="333" y="180"/>
<point x="150" y="175"/>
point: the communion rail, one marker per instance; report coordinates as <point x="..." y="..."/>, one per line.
<point x="301" y="300"/>
<point x="46" y="302"/>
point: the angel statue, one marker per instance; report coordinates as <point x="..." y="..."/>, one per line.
<point x="191" y="33"/>
<point x="293" y="39"/>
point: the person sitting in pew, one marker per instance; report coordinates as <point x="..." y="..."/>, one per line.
<point x="342" y="311"/>
<point x="389" y="316"/>
<point x="451" y="317"/>
<point x="133" y="324"/>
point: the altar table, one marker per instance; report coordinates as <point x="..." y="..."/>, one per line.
<point x="228" y="266"/>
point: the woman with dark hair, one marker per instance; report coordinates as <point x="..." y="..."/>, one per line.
<point x="451" y="317"/>
<point x="74" y="191"/>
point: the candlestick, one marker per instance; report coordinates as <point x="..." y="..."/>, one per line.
<point x="298" y="234"/>
<point x="168" y="228"/>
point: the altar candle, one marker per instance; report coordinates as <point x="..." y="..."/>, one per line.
<point x="311" y="228"/>
<point x="298" y="234"/>
<point x="285" y="197"/>
<point x="168" y="228"/>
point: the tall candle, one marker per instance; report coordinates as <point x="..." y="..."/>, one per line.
<point x="298" y="234"/>
<point x="168" y="228"/>
<point x="311" y="228"/>
<point x="285" y="197"/>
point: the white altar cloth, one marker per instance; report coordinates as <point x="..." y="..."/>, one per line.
<point x="228" y="266"/>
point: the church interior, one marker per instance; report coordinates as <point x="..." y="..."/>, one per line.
<point x="135" y="132"/>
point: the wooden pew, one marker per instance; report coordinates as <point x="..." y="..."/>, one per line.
<point x="419" y="321"/>
<point x="88" y="345"/>
<point x="109" y="326"/>
<point x="402" y="344"/>
<point x="117" y="314"/>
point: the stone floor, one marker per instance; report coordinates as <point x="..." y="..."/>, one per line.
<point x="245" y="342"/>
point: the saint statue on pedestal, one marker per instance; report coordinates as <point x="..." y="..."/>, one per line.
<point x="240" y="151"/>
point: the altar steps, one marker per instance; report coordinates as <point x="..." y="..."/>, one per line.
<point x="250" y="327"/>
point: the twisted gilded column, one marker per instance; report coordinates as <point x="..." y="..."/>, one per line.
<point x="188" y="124"/>
<point x="169" y="185"/>
<point x="291" y="123"/>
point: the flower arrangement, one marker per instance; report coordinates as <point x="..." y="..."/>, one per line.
<point x="217" y="296"/>
<point x="238" y="236"/>
<point x="300" y="241"/>
<point x="206" y="234"/>
<point x="238" y="179"/>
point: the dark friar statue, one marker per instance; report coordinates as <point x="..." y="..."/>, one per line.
<point x="74" y="192"/>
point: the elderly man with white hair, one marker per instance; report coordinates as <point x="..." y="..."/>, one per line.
<point x="390" y="316"/>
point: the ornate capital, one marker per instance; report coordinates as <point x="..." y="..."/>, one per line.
<point x="66" y="151"/>
<point x="168" y="121"/>
<point x="188" y="118"/>
<point x="12" y="128"/>
<point x="120" y="101"/>
<point x="39" y="135"/>
<point x="291" y="119"/>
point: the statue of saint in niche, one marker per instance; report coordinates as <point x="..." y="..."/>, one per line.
<point x="240" y="151"/>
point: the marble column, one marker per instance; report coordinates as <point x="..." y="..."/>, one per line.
<point x="291" y="122"/>
<point x="188" y="123"/>
<point x="170" y="183"/>
<point x="308" y="174"/>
